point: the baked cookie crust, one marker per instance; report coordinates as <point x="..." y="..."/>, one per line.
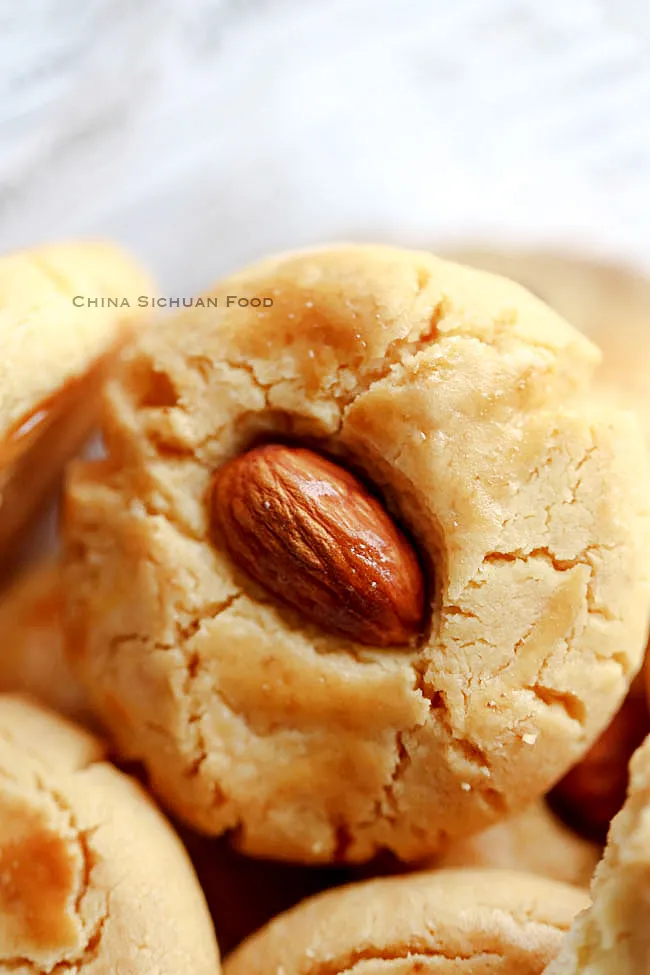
<point x="446" y="922"/>
<point x="92" y="878"/>
<point x="466" y="403"/>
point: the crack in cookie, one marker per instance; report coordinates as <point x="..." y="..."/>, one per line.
<point x="466" y="406"/>
<point x="90" y="872"/>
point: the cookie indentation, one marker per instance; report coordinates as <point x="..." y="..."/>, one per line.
<point x="312" y="534"/>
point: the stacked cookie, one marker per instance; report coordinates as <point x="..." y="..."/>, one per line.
<point x="364" y="572"/>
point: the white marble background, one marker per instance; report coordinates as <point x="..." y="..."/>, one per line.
<point x="204" y="133"/>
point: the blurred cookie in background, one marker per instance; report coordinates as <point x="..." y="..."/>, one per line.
<point x="32" y="644"/>
<point x="613" y="936"/>
<point x="536" y="841"/>
<point x="608" y="302"/>
<point x="65" y="311"/>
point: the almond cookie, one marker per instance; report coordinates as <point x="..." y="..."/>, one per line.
<point x="92" y="878"/>
<point x="55" y="348"/>
<point x="536" y="841"/>
<point x="613" y="936"/>
<point x="447" y="921"/>
<point x="366" y="567"/>
<point x="33" y="656"/>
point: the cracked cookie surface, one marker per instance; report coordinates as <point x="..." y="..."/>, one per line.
<point x="609" y="303"/>
<point x="465" y="401"/>
<point x="446" y="922"/>
<point x="92" y="879"/>
<point x="55" y="350"/>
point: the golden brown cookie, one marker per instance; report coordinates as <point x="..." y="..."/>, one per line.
<point x="445" y="922"/>
<point x="613" y="936"/>
<point x="92" y="878"/>
<point x="56" y="347"/>
<point x="32" y="643"/>
<point x="241" y="652"/>
<point x="535" y="841"/>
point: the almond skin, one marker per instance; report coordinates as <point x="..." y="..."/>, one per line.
<point x="310" y="533"/>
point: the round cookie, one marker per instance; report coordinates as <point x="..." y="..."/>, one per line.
<point x="92" y="878"/>
<point x="462" y="400"/>
<point x="613" y="935"/>
<point x="536" y="841"/>
<point x="448" y="921"/>
<point x="32" y="643"/>
<point x="55" y="350"/>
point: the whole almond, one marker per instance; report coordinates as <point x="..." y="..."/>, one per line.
<point x="312" y="534"/>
